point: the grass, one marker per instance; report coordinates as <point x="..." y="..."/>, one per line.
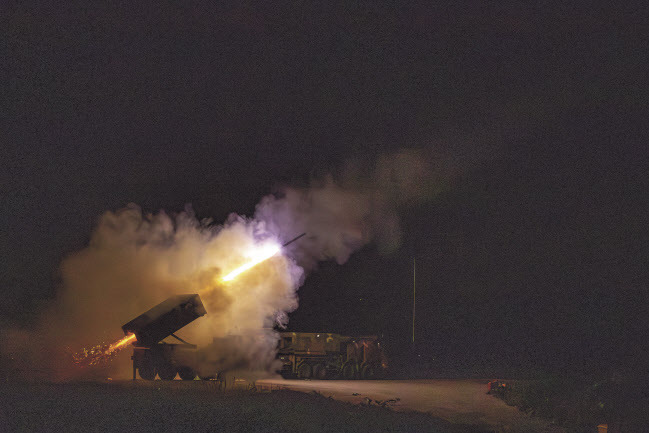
<point x="194" y="407"/>
<point x="579" y="404"/>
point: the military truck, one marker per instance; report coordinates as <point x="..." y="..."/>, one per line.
<point x="303" y="355"/>
<point x="151" y="355"/>
<point x="330" y="356"/>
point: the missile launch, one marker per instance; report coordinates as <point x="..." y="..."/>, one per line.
<point x="105" y="352"/>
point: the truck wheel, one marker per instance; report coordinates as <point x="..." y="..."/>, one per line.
<point x="304" y="371"/>
<point x="368" y="372"/>
<point x="147" y="372"/>
<point x="207" y="377"/>
<point x="319" y="372"/>
<point x="186" y="373"/>
<point x="349" y="371"/>
<point x="166" y="371"/>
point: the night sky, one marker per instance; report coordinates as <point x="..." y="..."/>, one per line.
<point x="538" y="244"/>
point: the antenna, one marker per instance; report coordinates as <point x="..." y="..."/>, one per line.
<point x="414" y="296"/>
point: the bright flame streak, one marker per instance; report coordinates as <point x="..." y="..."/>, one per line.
<point x="121" y="342"/>
<point x="100" y="353"/>
<point x="260" y="254"/>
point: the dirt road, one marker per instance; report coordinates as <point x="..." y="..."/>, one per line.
<point x="457" y="401"/>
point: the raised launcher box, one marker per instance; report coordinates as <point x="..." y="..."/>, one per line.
<point x="165" y="318"/>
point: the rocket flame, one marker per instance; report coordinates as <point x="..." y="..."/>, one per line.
<point x="259" y="255"/>
<point x="104" y="352"/>
<point x="101" y="353"/>
<point x="121" y="342"/>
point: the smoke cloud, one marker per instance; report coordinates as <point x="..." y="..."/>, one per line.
<point x="342" y="213"/>
<point x="135" y="260"/>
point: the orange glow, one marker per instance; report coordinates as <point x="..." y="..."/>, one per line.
<point x="259" y="255"/>
<point x="101" y="353"/>
<point x="104" y="352"/>
<point x="121" y="342"/>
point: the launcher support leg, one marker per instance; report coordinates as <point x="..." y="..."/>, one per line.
<point x="133" y="358"/>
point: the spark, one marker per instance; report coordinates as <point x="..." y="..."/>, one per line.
<point x="121" y="342"/>
<point x="100" y="353"/>
<point x="105" y="352"/>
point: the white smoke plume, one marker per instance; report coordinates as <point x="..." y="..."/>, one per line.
<point x="341" y="214"/>
<point x="135" y="260"/>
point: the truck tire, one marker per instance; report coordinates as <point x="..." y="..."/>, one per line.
<point x="304" y="371"/>
<point x="186" y="373"/>
<point x="368" y="371"/>
<point x="207" y="377"/>
<point x="146" y="370"/>
<point x="166" y="371"/>
<point x="319" y="372"/>
<point x="349" y="371"/>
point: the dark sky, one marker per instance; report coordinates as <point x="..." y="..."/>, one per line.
<point x="539" y="244"/>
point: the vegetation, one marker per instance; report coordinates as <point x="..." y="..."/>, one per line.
<point x="580" y="404"/>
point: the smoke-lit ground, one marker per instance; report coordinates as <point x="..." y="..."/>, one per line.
<point x="135" y="260"/>
<point x="459" y="401"/>
<point x="536" y="256"/>
<point x="197" y="406"/>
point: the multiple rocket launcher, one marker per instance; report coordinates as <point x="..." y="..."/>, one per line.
<point x="161" y="321"/>
<point x="164" y="319"/>
<point x="349" y="357"/>
<point x="172" y="314"/>
<point x="305" y="355"/>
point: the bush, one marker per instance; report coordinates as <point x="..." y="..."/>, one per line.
<point x="565" y="401"/>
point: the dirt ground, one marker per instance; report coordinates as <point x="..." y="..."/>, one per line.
<point x="196" y="407"/>
<point x="462" y="401"/>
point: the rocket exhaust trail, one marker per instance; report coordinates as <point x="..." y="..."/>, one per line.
<point x="262" y="256"/>
<point x="103" y="352"/>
